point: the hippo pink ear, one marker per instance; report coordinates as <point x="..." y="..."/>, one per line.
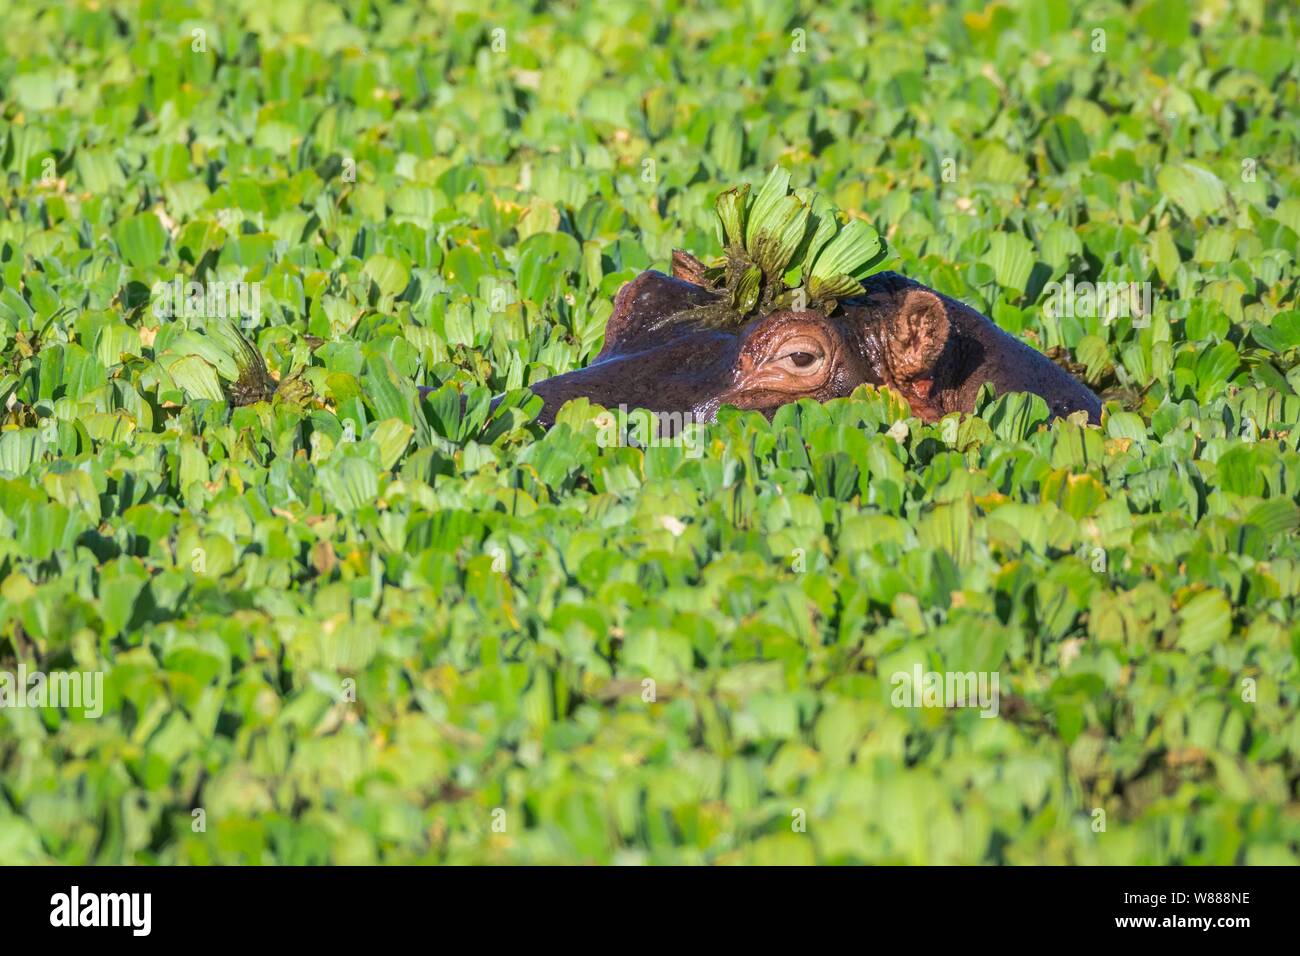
<point x="917" y="330"/>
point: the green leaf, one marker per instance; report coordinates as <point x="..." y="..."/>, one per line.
<point x="1204" y="622"/>
<point x="1011" y="257"/>
<point x="141" y="239"/>
<point x="731" y="205"/>
<point x="763" y="210"/>
<point x="387" y="273"/>
<point x="1067" y="144"/>
<point x="391" y="436"/>
<point x="196" y="378"/>
<point x="1194" y="189"/>
<point x="1017" y="415"/>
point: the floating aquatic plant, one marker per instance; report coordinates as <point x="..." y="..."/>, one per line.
<point x="254" y="382"/>
<point x="782" y="248"/>
<point x="221" y="362"/>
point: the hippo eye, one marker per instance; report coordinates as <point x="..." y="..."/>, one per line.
<point x="800" y="359"/>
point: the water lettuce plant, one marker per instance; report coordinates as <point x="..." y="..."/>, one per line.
<point x="783" y="248"/>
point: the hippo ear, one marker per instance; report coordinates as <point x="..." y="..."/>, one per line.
<point x="916" y="332"/>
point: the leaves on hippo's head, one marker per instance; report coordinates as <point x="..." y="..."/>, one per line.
<point x="731" y="207"/>
<point x="785" y="247"/>
<point x="845" y="260"/>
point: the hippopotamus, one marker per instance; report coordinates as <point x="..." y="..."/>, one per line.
<point x="934" y="351"/>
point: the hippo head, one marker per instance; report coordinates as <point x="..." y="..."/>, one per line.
<point x="657" y="356"/>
